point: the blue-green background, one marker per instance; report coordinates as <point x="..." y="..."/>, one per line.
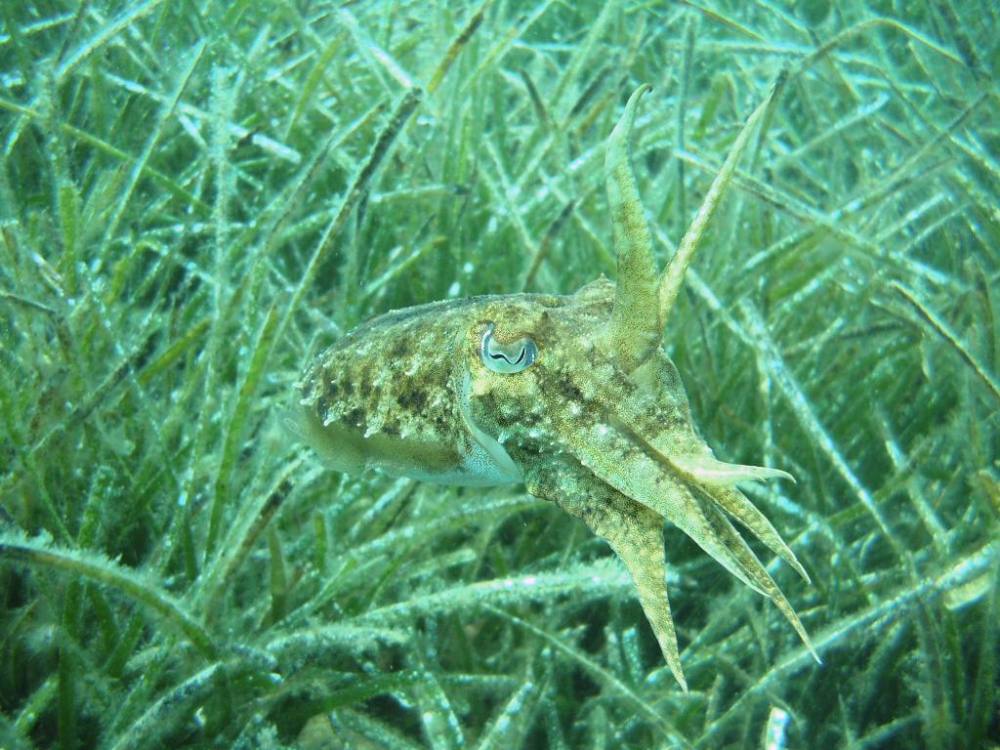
<point x="197" y="197"/>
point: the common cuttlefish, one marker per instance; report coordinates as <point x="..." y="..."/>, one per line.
<point x="571" y="395"/>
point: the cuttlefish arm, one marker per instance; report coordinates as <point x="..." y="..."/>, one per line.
<point x="633" y="531"/>
<point x="701" y="509"/>
<point x="634" y="461"/>
<point x="634" y="331"/>
<point x="674" y="474"/>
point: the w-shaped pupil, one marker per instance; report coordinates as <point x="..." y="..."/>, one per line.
<point x="498" y="360"/>
<point x="508" y="360"/>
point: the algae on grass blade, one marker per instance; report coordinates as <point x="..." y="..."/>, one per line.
<point x="194" y="201"/>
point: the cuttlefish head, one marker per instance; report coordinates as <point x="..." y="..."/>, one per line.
<point x="578" y="393"/>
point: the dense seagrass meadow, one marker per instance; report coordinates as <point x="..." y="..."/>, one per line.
<point x="198" y="198"/>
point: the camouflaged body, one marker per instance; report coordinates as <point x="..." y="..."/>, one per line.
<point x="390" y="393"/>
<point x="571" y="395"/>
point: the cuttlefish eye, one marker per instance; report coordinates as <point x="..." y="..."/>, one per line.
<point x="507" y="358"/>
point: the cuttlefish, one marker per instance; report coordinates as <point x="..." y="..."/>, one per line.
<point x="571" y="395"/>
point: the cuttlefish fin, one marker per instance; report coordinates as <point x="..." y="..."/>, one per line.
<point x="634" y="330"/>
<point x="635" y="533"/>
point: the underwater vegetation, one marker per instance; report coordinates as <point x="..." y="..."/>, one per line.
<point x="196" y="200"/>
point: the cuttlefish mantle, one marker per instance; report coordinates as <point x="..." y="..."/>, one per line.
<point x="572" y="395"/>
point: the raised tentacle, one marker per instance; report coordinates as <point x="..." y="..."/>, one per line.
<point x="634" y="330"/>
<point x="673" y="275"/>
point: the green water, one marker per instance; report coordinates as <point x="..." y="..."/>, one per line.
<point x="197" y="198"/>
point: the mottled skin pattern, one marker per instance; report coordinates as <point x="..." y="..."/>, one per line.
<point x="599" y="424"/>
